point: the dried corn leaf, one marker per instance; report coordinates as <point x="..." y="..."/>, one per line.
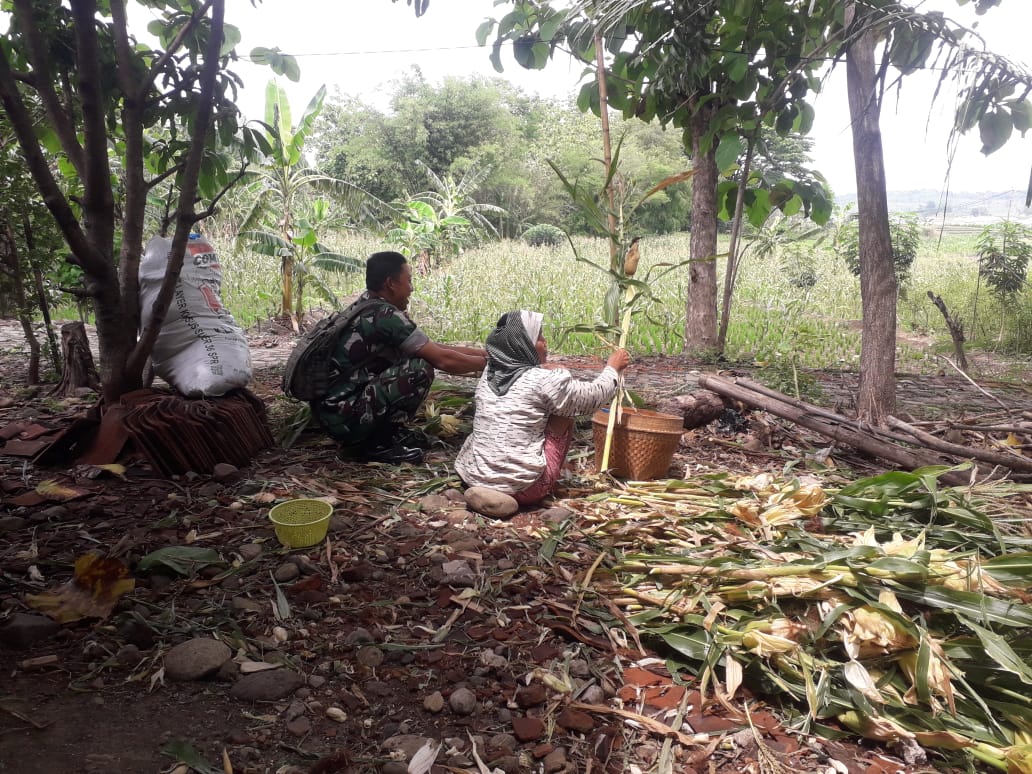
<point x="54" y="491"/>
<point x="94" y="590"/>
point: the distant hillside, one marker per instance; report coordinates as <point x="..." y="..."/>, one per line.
<point x="964" y="206"/>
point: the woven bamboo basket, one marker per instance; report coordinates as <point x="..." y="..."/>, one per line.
<point x="644" y="442"/>
<point x="301" y="523"/>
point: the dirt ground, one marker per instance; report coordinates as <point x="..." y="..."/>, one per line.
<point x="417" y="624"/>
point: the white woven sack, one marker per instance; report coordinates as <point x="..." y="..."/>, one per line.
<point x="200" y="350"/>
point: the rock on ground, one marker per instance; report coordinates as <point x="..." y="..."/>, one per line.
<point x="489" y="502"/>
<point x="196" y="659"/>
<point x="269" y="685"/>
<point x="23" y="630"/>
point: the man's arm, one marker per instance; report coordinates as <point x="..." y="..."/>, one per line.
<point x="453" y="360"/>
<point x="466" y="350"/>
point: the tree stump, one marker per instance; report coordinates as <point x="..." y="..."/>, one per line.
<point x="956" y="327"/>
<point x="79" y="370"/>
<point x="698" y="408"/>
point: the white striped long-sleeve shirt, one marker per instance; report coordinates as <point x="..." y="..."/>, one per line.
<point x="506" y="449"/>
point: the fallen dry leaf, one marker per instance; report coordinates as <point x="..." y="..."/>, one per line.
<point x="52" y="490"/>
<point x="93" y="591"/>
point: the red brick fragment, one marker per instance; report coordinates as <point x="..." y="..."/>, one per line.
<point x="528" y="729"/>
<point x="575" y="720"/>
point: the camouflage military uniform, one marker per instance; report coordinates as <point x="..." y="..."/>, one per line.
<point x="381" y="381"/>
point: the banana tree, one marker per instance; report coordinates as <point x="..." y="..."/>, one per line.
<point x="444" y="219"/>
<point x="454" y="198"/>
<point x="283" y="183"/>
<point x="304" y="252"/>
<point x="420" y="232"/>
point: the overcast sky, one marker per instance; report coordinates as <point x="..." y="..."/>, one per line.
<point x="362" y="51"/>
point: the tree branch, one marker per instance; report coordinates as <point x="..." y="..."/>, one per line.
<point x="135" y="188"/>
<point x="156" y="181"/>
<point x="976" y="386"/>
<point x="162" y="60"/>
<point x="956" y="328"/>
<point x="185" y="217"/>
<point x="22" y="123"/>
<point x="39" y="58"/>
<point x="96" y="175"/>
<point x="215" y="200"/>
<point x="77" y="292"/>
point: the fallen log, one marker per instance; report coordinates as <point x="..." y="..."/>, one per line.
<point x="830" y="425"/>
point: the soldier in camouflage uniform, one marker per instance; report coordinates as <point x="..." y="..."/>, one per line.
<point x="385" y="366"/>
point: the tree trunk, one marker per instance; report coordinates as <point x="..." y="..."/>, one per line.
<point x="700" y="328"/>
<point x="41" y="296"/>
<point x="32" y="374"/>
<point x="287" y="277"/>
<point x="877" y="395"/>
<point x="14" y="269"/>
<point x="83" y="134"/>
<point x="731" y="265"/>
<point x="79" y="370"/>
<point x="424" y="264"/>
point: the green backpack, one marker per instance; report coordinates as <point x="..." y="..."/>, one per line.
<point x="310" y="368"/>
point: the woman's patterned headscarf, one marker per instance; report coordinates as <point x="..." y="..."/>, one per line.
<point x="510" y="349"/>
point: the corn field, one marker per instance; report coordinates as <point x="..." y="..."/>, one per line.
<point x="776" y="320"/>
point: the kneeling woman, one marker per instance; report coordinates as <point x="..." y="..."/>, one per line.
<point x="524" y="411"/>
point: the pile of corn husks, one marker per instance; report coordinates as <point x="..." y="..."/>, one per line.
<point x="892" y="607"/>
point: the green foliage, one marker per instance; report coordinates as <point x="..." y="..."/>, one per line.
<point x="792" y="243"/>
<point x="452" y="201"/>
<point x="450" y="129"/>
<point x="421" y="231"/>
<point x="33" y="235"/>
<point x="691" y="68"/>
<point x="443" y="220"/>
<point x="799" y="267"/>
<point x="502" y="137"/>
<point x="1004" y="249"/>
<point x="305" y="252"/>
<point x="284" y="220"/>
<point x="780" y="180"/>
<point x="544" y="235"/>
<point x="628" y="293"/>
<point x="1018" y="334"/>
<point x="905" y="234"/>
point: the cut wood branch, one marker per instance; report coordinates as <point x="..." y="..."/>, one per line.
<point x="974" y="384"/>
<point x="1027" y="430"/>
<point x="1014" y="460"/>
<point x="821" y="412"/>
<point x="878" y="443"/>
